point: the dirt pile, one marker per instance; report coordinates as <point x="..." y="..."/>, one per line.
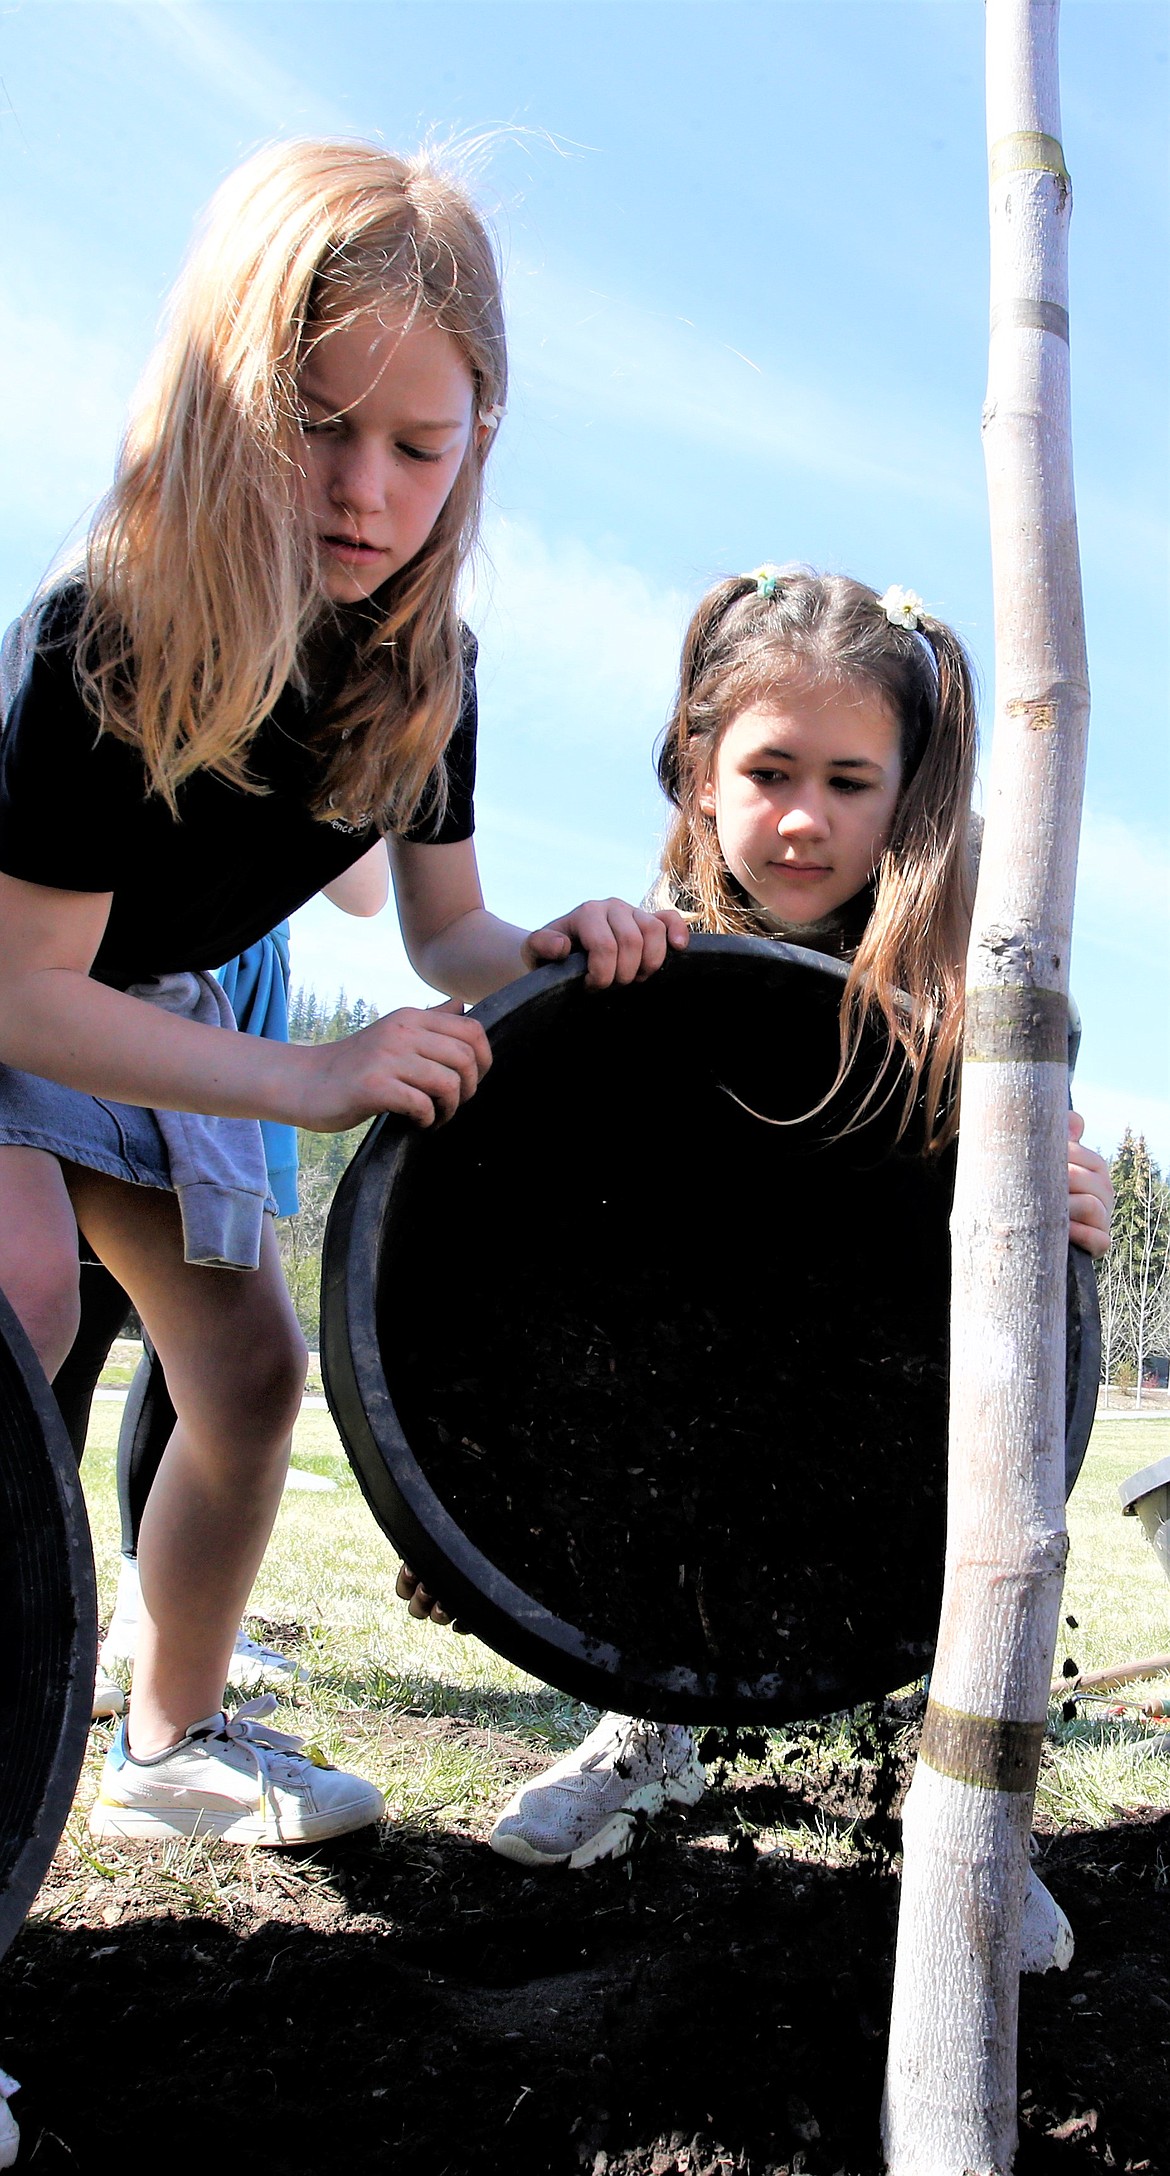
<point x="412" y="2002"/>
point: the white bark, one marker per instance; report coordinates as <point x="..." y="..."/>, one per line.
<point x="1113" y="1299"/>
<point x="1148" y="1272"/>
<point x="951" y="2086"/>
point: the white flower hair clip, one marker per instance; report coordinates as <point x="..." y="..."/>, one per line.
<point x="765" y="578"/>
<point x="903" y="608"/>
<point x="491" y="418"/>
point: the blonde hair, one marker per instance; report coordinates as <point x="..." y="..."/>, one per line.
<point x="202" y="577"/>
<point x="740" y="648"/>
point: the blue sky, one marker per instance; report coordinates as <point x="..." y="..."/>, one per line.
<point x="746" y="255"/>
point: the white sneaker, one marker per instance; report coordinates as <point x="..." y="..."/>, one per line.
<point x="9" y="2128"/>
<point x="122" y="1637"/>
<point x="108" y="1696"/>
<point x="1046" y="1938"/>
<point x="252" y="1667"/>
<point x="232" y="1777"/>
<point x="586" y="1807"/>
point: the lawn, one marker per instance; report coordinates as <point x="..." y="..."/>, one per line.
<point x="326" y="1592"/>
<point x="326" y="1596"/>
<point x="1119" y="1601"/>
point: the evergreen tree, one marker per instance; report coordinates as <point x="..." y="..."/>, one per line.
<point x="1139" y="1189"/>
<point x="1134" y="1279"/>
<point x="311" y="1020"/>
<point x="323" y="1157"/>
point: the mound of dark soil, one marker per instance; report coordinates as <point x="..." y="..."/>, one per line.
<point x="421" y="2005"/>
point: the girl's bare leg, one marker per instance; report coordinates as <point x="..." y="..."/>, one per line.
<point x="38" y="1252"/>
<point x="235" y="1361"/>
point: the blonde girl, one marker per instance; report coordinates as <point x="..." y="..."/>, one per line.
<point x="819" y="764"/>
<point x="259" y="673"/>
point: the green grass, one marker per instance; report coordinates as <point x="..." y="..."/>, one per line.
<point x="386" y="1695"/>
<point x="1120" y="1599"/>
<point x="445" y="1726"/>
<point x="121" y="1361"/>
<point x="126" y="1352"/>
<point x="1114" y="1587"/>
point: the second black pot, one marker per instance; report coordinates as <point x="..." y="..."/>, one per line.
<point x="48" y="1622"/>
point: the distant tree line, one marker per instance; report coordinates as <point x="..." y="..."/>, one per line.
<point x="1133" y="1279"/>
<point x="311" y="1019"/>
<point x="323" y="1156"/>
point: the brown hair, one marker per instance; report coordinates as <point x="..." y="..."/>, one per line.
<point x="741" y="645"/>
<point x="203" y="584"/>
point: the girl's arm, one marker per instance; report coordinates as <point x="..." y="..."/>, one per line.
<point x="56" y="1021"/>
<point x="364" y="888"/>
<point x="456" y="945"/>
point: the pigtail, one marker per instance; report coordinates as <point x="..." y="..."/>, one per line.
<point x="694" y="877"/>
<point x="696" y="657"/>
<point x="910" y="963"/>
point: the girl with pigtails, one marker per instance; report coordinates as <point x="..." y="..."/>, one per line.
<point x="819" y="764"/>
<point x="256" y="674"/>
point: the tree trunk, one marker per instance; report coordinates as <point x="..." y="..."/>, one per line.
<point x="951" y="2080"/>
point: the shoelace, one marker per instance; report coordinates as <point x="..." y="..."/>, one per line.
<point x="277" y="1756"/>
<point x="625" y="1745"/>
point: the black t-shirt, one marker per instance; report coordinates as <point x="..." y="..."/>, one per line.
<point x="76" y="813"/>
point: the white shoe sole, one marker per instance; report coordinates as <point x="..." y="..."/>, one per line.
<point x="611" y="1842"/>
<point x="249" y="1677"/>
<point x="253" y="1677"/>
<point x="248" y="1673"/>
<point x="143" y="1822"/>
<point x="616" y="1838"/>
<point x="114" y="1656"/>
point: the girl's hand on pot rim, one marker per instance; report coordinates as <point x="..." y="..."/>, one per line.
<point x="409" y="1588"/>
<point x="1090" y="1192"/>
<point x="421" y="1063"/>
<point x="622" y="943"/>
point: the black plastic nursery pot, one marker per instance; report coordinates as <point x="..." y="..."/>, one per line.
<point x="641" y="1360"/>
<point x="48" y="1625"/>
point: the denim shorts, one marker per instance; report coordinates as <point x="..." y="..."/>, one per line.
<point x="121" y="1139"/>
